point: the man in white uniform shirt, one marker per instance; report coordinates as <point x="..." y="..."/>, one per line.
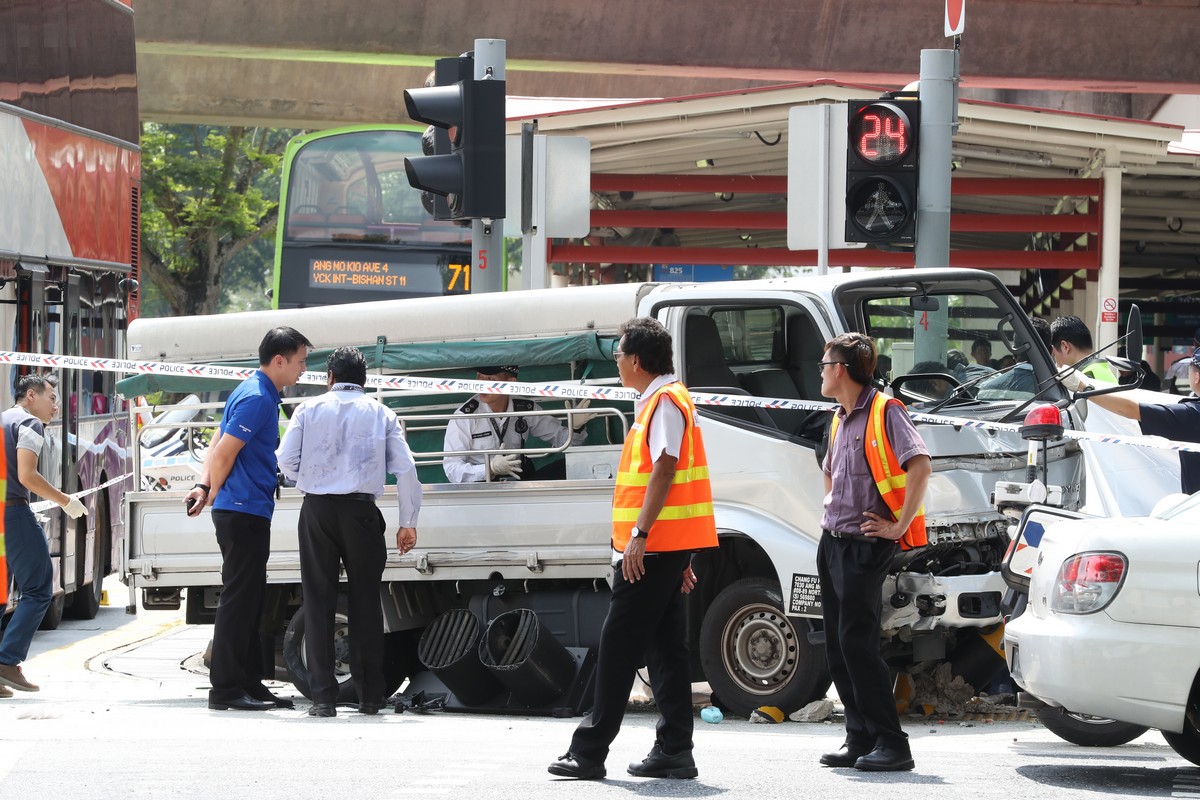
<point x="339" y="449"/>
<point x="465" y="431"/>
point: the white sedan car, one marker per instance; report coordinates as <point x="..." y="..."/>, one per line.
<point x="1112" y="627"/>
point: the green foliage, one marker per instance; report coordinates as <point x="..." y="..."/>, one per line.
<point x="210" y="201"/>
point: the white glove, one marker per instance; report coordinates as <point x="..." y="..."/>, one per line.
<point x="75" y="509"/>
<point x="1073" y="380"/>
<point x="504" y="465"/>
<point x="579" y="420"/>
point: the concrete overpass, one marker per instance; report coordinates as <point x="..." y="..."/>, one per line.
<point x="321" y="64"/>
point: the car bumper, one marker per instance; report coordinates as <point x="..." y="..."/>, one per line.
<point x="1091" y="664"/>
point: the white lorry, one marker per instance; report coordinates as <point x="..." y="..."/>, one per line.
<point x="485" y="549"/>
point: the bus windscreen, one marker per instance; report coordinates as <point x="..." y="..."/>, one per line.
<point x="354" y="229"/>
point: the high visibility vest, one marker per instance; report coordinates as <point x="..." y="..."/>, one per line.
<point x="3" y="496"/>
<point x="686" y="520"/>
<point x="1100" y="370"/>
<point x="890" y="477"/>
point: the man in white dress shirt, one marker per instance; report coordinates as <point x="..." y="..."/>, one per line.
<point x="465" y="431"/>
<point x="339" y="449"/>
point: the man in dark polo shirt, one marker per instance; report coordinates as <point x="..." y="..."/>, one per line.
<point x="239" y="479"/>
<point x="862" y="530"/>
<point x="1177" y="421"/>
<point x="28" y="556"/>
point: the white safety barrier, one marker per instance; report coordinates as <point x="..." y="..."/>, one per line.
<point x="561" y="390"/>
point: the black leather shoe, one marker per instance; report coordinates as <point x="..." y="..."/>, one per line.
<point x="844" y="757"/>
<point x="322" y="710"/>
<point x="371" y="708"/>
<point x="264" y="694"/>
<point x="886" y="759"/>
<point x="243" y="703"/>
<point x="658" y="764"/>
<point x="570" y="765"/>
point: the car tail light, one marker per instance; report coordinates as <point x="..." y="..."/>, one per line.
<point x="1088" y="582"/>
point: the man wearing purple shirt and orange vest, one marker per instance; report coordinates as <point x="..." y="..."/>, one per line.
<point x="662" y="513"/>
<point x="876" y="471"/>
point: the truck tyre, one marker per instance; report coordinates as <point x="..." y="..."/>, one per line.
<point x="1089" y="731"/>
<point x="399" y="655"/>
<point x="85" y="600"/>
<point x="753" y="655"/>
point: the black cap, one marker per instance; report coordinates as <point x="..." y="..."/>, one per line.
<point x="511" y="370"/>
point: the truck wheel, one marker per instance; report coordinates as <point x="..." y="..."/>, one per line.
<point x="399" y="656"/>
<point x="1187" y="743"/>
<point x="752" y="654"/>
<point x="85" y="600"/>
<point x="1089" y="731"/>
<point x="296" y="660"/>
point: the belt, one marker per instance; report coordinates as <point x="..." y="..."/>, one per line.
<point x="364" y="496"/>
<point x="17" y="501"/>
<point x="840" y="535"/>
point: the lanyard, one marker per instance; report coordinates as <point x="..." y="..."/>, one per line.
<point x="500" y="431"/>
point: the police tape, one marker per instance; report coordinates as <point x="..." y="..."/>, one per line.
<point x="46" y="505"/>
<point x="573" y="391"/>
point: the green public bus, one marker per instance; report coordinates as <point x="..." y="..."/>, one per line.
<point x="351" y="227"/>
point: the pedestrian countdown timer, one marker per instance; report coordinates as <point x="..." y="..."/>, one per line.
<point x="882" y="148"/>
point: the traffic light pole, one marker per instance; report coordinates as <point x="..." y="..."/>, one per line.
<point x="487" y="235"/>
<point x="939" y="115"/>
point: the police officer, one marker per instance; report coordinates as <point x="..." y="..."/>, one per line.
<point x="465" y="431"/>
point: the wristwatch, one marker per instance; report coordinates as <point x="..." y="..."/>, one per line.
<point x="638" y="533"/>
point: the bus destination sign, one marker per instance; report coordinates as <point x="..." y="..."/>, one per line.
<point x="334" y="273"/>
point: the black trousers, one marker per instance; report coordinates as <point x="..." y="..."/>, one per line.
<point x="237" y="664"/>
<point x="852" y="571"/>
<point x="335" y="531"/>
<point x="645" y="625"/>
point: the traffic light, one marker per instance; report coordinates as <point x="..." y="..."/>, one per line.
<point x="471" y="174"/>
<point x="882" y="153"/>
<point x="435" y="141"/>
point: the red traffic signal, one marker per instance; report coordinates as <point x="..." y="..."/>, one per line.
<point x="882" y="154"/>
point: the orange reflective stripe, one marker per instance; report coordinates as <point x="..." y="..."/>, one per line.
<point x="686" y="520"/>
<point x="887" y="471"/>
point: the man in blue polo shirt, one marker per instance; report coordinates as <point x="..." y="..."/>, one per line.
<point x="1176" y="421"/>
<point x="239" y="480"/>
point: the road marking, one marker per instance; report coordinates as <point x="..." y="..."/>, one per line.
<point x="1186" y="784"/>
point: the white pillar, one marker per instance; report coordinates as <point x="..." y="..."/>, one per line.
<point x="1110" y="260"/>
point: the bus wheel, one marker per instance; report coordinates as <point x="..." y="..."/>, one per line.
<point x="85" y="600"/>
<point x="753" y="655"/>
<point x="296" y="658"/>
<point x="54" y="613"/>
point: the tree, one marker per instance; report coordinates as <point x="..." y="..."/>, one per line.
<point x="208" y="193"/>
